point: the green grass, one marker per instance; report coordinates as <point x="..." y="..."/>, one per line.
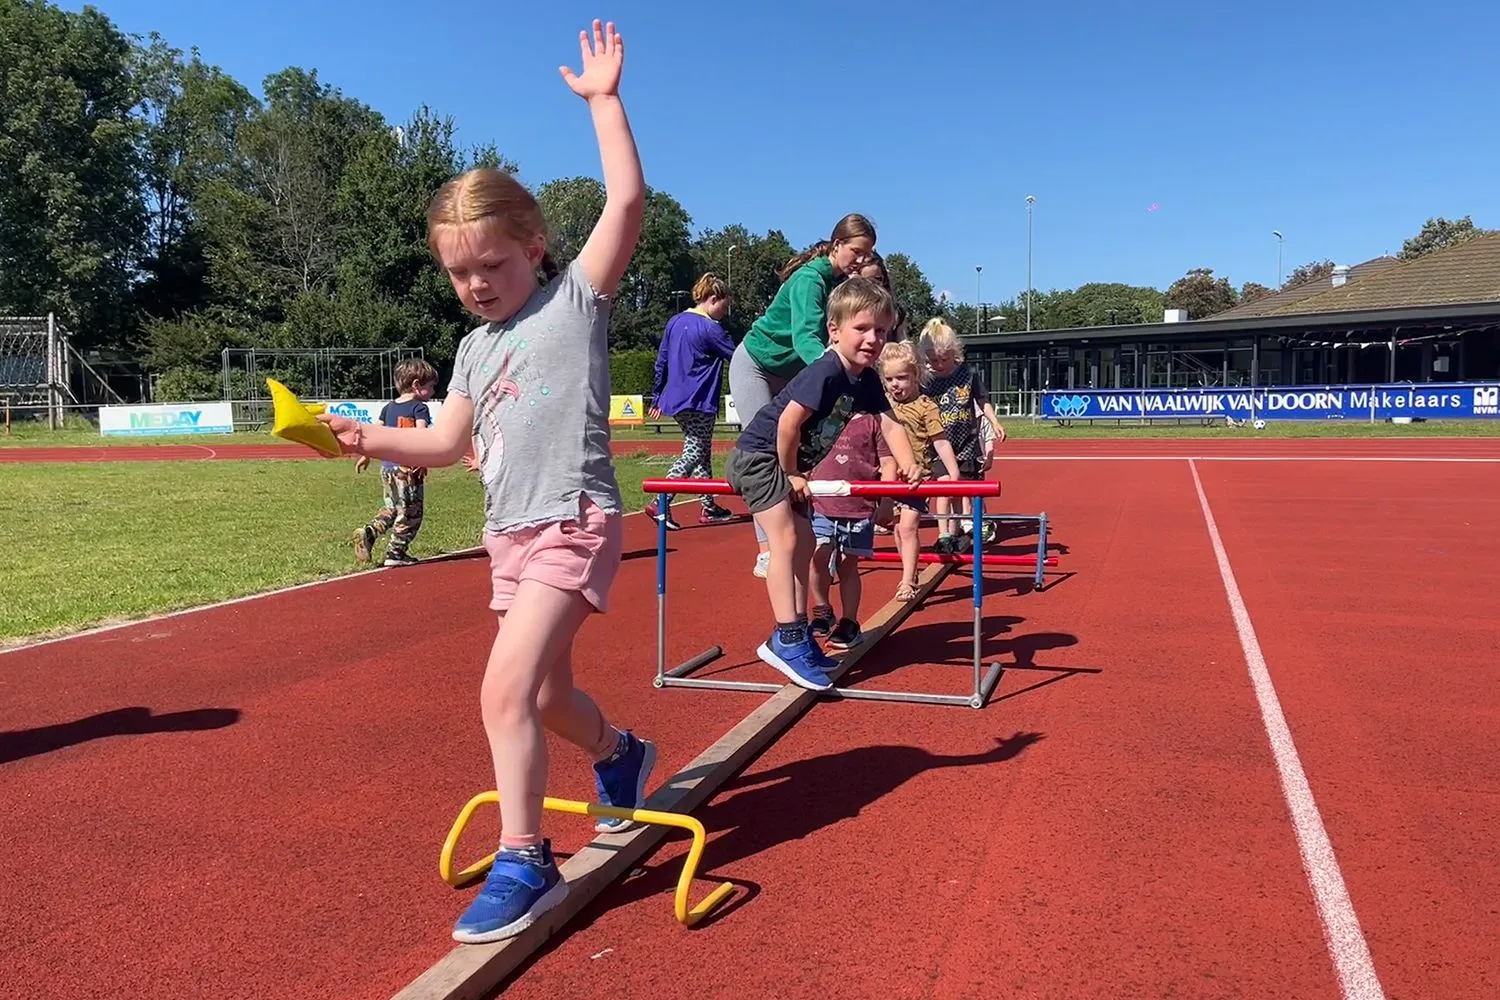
<point x="77" y="432"/>
<point x="104" y="542"/>
<point x="35" y="435"/>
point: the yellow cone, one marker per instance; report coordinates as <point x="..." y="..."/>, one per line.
<point x="294" y="421"/>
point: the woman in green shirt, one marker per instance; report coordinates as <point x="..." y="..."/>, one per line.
<point x="793" y="331"/>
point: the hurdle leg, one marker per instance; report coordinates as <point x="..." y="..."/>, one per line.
<point x="661" y="588"/>
<point x="1041" y="550"/>
<point x="677" y="676"/>
<point x="984" y="683"/>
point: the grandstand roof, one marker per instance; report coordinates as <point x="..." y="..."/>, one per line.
<point x="1453" y="285"/>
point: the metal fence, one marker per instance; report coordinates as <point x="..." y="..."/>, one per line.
<point x="41" y="375"/>
<point x="312" y="373"/>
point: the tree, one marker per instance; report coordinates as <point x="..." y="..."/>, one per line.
<point x="658" y="283"/>
<point x="1250" y="291"/>
<point x="571" y="206"/>
<point x="1318" y="270"/>
<point x="912" y="290"/>
<point x="1439" y="234"/>
<point x="71" y="216"/>
<point x="190" y="114"/>
<point x="750" y="272"/>
<point x="1099" y="304"/>
<point x="1200" y="293"/>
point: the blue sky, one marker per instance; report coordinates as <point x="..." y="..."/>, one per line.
<point x="1344" y="126"/>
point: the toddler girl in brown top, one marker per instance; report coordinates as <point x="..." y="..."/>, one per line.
<point x="961" y="399"/>
<point x="924" y="428"/>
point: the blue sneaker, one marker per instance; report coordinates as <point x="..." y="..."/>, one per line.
<point x="621" y="780"/>
<point x="802" y="662"/>
<point x="520" y="888"/>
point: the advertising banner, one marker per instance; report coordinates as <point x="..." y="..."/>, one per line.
<point x="1433" y="401"/>
<point x="367" y="411"/>
<point x="627" y="410"/>
<point x="167" y="418"/>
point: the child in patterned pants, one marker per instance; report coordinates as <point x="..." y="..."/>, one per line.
<point x="404" y="487"/>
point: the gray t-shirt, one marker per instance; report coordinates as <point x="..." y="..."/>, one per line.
<point x="540" y="386"/>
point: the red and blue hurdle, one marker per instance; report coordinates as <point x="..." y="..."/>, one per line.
<point x="985" y="679"/>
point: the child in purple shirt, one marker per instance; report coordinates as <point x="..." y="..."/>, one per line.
<point x="689" y="373"/>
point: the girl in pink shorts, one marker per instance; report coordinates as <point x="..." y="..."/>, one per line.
<point x="531" y="388"/>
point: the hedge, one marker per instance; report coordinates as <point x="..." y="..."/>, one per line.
<point x="631" y="373"/>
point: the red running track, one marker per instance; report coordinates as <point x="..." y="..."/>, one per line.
<point x="1112" y="825"/>
<point x="1376" y="602"/>
<point x="249" y="801"/>
<point x="1249" y="447"/>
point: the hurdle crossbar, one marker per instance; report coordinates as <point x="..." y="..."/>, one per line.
<point x="985" y="678"/>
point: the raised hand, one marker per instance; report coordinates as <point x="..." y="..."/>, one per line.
<point x="602" y="61"/>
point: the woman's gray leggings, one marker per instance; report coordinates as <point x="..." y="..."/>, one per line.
<point x="752" y="388"/>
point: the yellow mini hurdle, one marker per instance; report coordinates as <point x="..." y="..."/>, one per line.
<point x="685" y="915"/>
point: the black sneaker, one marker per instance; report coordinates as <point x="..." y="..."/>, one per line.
<point x="963" y="545"/>
<point x="946" y="545"/>
<point x="400" y="559"/>
<point x="821" y="622"/>
<point x="715" y="515"/>
<point x="845" y="635"/>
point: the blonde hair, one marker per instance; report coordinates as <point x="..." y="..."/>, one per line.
<point x="412" y="371"/>
<point x="856" y="295"/>
<point x="490" y="194"/>
<point x="898" y="354"/>
<point x="939" y="341"/>
<point x="710" y="286"/>
<point x="850" y="227"/>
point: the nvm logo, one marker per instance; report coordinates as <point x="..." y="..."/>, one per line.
<point x="1070" y="406"/>
<point x="1487" y="400"/>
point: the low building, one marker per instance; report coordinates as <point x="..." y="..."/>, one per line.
<point x="1432" y="319"/>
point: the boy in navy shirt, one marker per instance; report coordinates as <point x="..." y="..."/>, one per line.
<point x="404" y="487"/>
<point x="788" y="437"/>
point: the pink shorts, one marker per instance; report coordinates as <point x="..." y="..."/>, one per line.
<point x="582" y="556"/>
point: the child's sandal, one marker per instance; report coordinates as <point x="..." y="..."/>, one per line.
<point x="905" y="592"/>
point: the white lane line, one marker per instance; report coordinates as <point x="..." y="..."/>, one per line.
<point x="1346" y="942"/>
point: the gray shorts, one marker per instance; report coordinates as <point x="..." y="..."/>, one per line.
<point x="758" y="479"/>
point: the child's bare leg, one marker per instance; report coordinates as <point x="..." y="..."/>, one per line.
<point x="536" y="632"/>
<point x="820" y="578"/>
<point x="573" y="715"/>
<point x="851" y="588"/>
<point x="907" y="543"/>
<point x="789" y="536"/>
<point x="791" y="649"/>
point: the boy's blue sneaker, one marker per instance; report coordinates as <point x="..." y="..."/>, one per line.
<point x="801" y="662"/>
<point x="521" y="886"/>
<point x="621" y="780"/>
